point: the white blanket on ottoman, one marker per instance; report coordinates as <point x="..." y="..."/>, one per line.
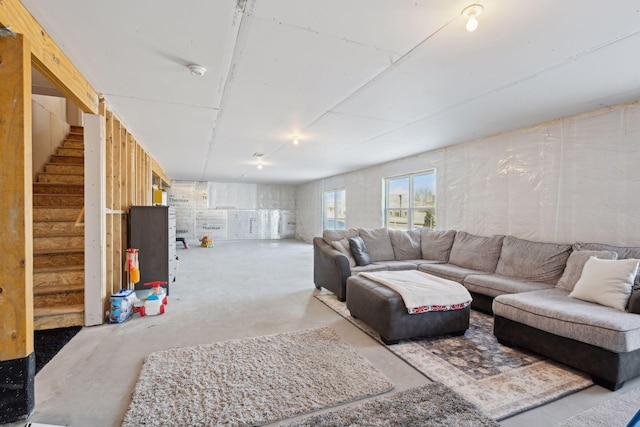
<point x="422" y="292"/>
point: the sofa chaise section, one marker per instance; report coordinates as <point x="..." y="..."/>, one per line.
<point x="599" y="340"/>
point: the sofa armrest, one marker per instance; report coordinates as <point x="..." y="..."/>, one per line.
<point x="330" y="268"/>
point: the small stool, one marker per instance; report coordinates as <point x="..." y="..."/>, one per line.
<point x="184" y="242"/>
<point x="384" y="310"/>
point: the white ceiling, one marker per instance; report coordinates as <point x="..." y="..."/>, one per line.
<point x="361" y="81"/>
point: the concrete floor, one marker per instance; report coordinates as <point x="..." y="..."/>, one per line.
<point x="237" y="289"/>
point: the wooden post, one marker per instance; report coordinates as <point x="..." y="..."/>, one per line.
<point x="17" y="359"/>
<point x="95" y="258"/>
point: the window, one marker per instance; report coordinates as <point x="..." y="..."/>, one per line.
<point x="334" y="210"/>
<point x="410" y="201"/>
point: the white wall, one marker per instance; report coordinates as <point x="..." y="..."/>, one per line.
<point x="229" y="211"/>
<point x="49" y="128"/>
<point x="573" y="179"/>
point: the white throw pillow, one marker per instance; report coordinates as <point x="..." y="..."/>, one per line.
<point x="575" y="264"/>
<point x="606" y="282"/>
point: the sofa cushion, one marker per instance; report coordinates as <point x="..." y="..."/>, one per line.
<point x="397" y="265"/>
<point x="359" y="251"/>
<point x="436" y="245"/>
<point x="343" y="246"/>
<point x="575" y="264"/>
<point x="553" y="311"/>
<point x="367" y="268"/>
<point x="378" y="243"/>
<point x="406" y="244"/>
<point x="331" y="235"/>
<point x="532" y="261"/>
<point x="423" y="261"/>
<point x="494" y="284"/>
<point x="476" y="252"/>
<point x="624" y="252"/>
<point x="606" y="282"/>
<point x="448" y="271"/>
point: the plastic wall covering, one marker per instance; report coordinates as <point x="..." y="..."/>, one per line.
<point x="232" y="211"/>
<point x="572" y="179"/>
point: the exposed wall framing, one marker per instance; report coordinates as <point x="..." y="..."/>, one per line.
<point x="128" y="183"/>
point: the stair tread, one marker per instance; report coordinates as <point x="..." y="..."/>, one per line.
<point x="60" y="173"/>
<point x="58" y="269"/>
<point x="61" y="235"/>
<point x="55" y="184"/>
<point x="56" y="289"/>
<point x="58" y="310"/>
<point x="55" y="220"/>
<point x="59" y="207"/>
<point x="65" y="165"/>
<point x="57" y="251"/>
<point x="64" y="195"/>
<point x="39" y="221"/>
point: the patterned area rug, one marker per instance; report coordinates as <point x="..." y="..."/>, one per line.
<point x="500" y="380"/>
<point x="251" y="381"/>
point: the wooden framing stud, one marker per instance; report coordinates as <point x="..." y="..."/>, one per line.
<point x="17" y="359"/>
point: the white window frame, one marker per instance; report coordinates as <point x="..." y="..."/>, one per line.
<point x="410" y="208"/>
<point x="335" y="218"/>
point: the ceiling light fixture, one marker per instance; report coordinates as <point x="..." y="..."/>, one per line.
<point x="259" y="155"/>
<point x="296" y="141"/>
<point x="470" y="13"/>
<point x="196" y="70"/>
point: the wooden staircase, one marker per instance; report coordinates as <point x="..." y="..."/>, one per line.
<point x="58" y="237"/>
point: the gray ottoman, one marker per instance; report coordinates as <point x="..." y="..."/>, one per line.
<point x="384" y="310"/>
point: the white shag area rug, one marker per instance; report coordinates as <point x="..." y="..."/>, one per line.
<point x="432" y="405"/>
<point x="615" y="412"/>
<point x="251" y="381"/>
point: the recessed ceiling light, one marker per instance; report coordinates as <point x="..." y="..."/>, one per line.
<point x="296" y="141"/>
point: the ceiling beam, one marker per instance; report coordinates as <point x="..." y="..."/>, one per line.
<point x="160" y="173"/>
<point x="47" y="57"/>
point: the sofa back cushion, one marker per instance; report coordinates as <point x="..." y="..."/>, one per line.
<point x="532" y="261"/>
<point x="476" y="252"/>
<point x="436" y="245"/>
<point x="575" y="264"/>
<point x="359" y="251"/>
<point x="406" y="244"/>
<point x="333" y="235"/>
<point x="378" y="244"/>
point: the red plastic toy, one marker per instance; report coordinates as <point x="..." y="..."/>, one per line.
<point x="154" y="304"/>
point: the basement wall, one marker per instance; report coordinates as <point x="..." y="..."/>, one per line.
<point x="224" y="211"/>
<point x="572" y="179"/>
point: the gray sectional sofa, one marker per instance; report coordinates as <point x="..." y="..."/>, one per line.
<point x="525" y="284"/>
